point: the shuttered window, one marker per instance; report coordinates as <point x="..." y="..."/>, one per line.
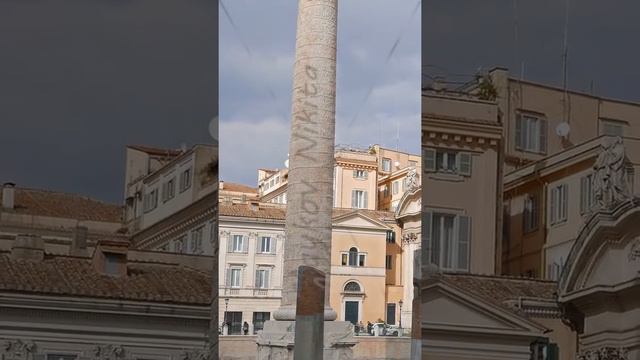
<point x="447" y="161"/>
<point x="587" y="195"/>
<point x="558" y="206"/>
<point x="531" y="133"/>
<point x="447" y="240"/>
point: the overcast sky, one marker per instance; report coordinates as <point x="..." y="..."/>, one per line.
<point x="80" y="79"/>
<point x="254" y="127"/>
<point x="460" y="36"/>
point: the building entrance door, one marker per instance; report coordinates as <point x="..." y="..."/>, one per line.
<point x="351" y="309"/>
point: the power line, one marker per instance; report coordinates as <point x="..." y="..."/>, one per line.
<point x="389" y="55"/>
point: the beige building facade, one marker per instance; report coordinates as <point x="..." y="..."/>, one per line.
<point x="461" y="144"/>
<point x="366" y="265"/>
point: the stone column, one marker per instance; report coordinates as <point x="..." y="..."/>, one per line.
<point x="310" y="183"/>
<point x="311" y="150"/>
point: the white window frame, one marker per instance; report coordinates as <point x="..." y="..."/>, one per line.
<point x="587" y="195"/>
<point x="434" y="158"/>
<point x="429" y="222"/>
<point x="186" y="178"/>
<point x="531" y="133"/>
<point x="242" y="244"/>
<point x="195" y="243"/>
<point x="386" y="164"/>
<point x="271" y="249"/>
<point x="235" y="269"/>
<point x="263" y="281"/>
<point x="558" y="204"/>
<point x="360" y="174"/>
<point x="359" y="202"/>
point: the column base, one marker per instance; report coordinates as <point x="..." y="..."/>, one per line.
<point x="276" y="340"/>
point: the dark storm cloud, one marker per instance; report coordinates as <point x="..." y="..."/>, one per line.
<point x="464" y="35"/>
<point x="80" y="79"/>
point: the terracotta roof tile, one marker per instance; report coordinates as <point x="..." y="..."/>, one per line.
<point x="72" y="276"/>
<point x="278" y="212"/>
<point x="229" y="186"/>
<point x="499" y="289"/>
<point x="64" y="205"/>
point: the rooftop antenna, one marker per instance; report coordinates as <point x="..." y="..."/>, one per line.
<point x="565" y="56"/>
<point x="397" y="135"/>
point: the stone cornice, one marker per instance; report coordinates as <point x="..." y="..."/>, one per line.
<point x="72" y="304"/>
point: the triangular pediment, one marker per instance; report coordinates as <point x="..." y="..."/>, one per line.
<point x="450" y="309"/>
<point x="359" y="220"/>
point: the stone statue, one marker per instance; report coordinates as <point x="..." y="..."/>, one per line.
<point x="609" y="180"/>
<point x="412" y="179"/>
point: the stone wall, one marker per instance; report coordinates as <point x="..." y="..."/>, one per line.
<point x="240" y="347"/>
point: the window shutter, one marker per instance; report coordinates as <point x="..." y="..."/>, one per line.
<point x="519" y="141"/>
<point x="245" y="244"/>
<point x="464" y="164"/>
<point x="355" y="173"/>
<point x="464" y="233"/>
<point x="429" y="160"/>
<point x="274" y="243"/>
<point x="227" y="277"/>
<point x="565" y="201"/>
<point x="366" y="199"/>
<point x="552" y="206"/>
<point x="543" y="135"/>
<point x="553" y="352"/>
<point x="353" y="199"/>
<point x="258" y="244"/>
<point x="267" y="278"/>
<point x="583" y="194"/>
<point x="257" y="280"/>
<point x="229" y="243"/>
<point x="426" y="237"/>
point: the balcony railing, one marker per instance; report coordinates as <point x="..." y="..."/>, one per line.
<point x="250" y="292"/>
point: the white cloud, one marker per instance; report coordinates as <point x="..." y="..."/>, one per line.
<point x="246" y="146"/>
<point x="255" y="127"/>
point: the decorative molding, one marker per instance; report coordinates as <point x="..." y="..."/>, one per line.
<point x="410" y="238"/>
<point x="610" y="177"/>
<point x="108" y="352"/>
<point x="634" y="253"/>
<point x="604" y="353"/>
<point x="193" y="355"/>
<point x="17" y="350"/>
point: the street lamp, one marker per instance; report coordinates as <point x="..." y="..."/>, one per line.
<point x="400" y="303"/>
<point x="226" y="307"/>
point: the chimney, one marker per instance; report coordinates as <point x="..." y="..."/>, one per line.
<point x="8" y="195"/>
<point x="221" y="185"/>
<point x="110" y="257"/>
<point x="27" y="247"/>
<point x="79" y="241"/>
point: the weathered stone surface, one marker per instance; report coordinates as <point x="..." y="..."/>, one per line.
<point x="276" y="341"/>
<point x="311" y="150"/>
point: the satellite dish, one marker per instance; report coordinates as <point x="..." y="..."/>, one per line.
<point x="286" y="163"/>
<point x="397" y="163"/>
<point x="563" y="129"/>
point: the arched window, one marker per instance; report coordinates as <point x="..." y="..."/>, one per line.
<point x="353" y="257"/>
<point x="352" y="286"/>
